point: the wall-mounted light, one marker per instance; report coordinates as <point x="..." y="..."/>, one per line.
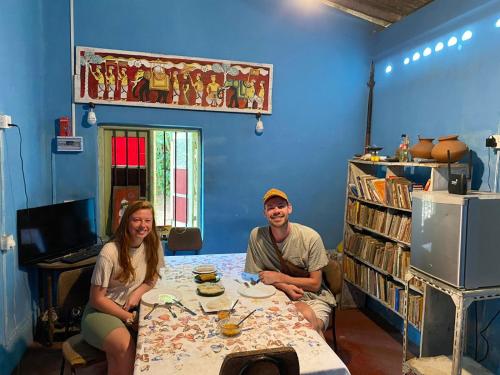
<point x="439" y="46"/>
<point x="91" y="117"/>
<point x="259" y="127"/>
<point x="388" y="69"/>
<point x="427" y="51"/>
<point x="406" y="61"/>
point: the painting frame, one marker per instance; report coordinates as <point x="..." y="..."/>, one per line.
<point x="129" y="194"/>
<point x="117" y="77"/>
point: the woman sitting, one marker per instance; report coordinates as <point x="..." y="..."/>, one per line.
<point x="126" y="268"/>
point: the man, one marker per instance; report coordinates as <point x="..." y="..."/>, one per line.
<point x="296" y="244"/>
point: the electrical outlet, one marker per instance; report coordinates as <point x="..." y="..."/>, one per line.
<point x="5" y="120"/>
<point x="493" y="141"/>
<point x="7" y="242"/>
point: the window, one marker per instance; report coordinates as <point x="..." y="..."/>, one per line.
<point x="161" y="165"/>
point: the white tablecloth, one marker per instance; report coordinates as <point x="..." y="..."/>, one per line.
<point x="192" y="344"/>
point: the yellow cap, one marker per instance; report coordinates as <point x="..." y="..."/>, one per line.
<point x="274" y="193"/>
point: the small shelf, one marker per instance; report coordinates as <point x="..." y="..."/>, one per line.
<point x="407" y="164"/>
<point x="442" y="365"/>
<point x="361" y="227"/>
<point x="408" y="210"/>
<point x="385" y="304"/>
<point x="382" y="271"/>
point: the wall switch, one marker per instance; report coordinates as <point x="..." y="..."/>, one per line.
<point x="7" y="242"/>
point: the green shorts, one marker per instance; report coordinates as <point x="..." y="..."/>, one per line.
<point x="97" y="325"/>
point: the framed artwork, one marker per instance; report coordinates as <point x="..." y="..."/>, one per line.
<point x="116" y="77"/>
<point x="122" y="197"/>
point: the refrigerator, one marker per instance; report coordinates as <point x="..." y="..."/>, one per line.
<point x="456" y="238"/>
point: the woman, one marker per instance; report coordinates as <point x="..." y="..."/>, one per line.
<point x="127" y="267"/>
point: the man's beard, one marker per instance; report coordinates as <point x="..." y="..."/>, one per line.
<point x="273" y="224"/>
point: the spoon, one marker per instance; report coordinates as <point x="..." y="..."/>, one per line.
<point x="169" y="308"/>
<point x="234" y="304"/>
<point x="242" y="320"/>
<point x="149" y="313"/>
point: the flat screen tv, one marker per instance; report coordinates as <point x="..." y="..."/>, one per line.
<point x="55" y="230"/>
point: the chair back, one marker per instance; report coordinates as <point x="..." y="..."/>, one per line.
<point x="73" y="289"/>
<point x="333" y="276"/>
<point x="275" y="361"/>
<point x="184" y="239"/>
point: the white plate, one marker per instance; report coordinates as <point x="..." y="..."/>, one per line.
<point x="204" y="268"/>
<point x="257" y="291"/>
<point x="217" y="304"/>
<point x="160" y="295"/>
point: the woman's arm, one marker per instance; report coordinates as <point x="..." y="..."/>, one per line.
<point x="134" y="298"/>
<point x="99" y="301"/>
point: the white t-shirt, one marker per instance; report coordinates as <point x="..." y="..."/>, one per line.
<point x="107" y="268"/>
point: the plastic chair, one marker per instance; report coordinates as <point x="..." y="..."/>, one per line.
<point x="73" y="288"/>
<point x="333" y="276"/>
<point x="275" y="361"/>
<point x="184" y="239"/>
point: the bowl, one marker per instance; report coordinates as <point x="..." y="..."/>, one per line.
<point x="229" y="328"/>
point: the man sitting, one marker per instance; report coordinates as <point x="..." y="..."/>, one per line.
<point x="290" y="256"/>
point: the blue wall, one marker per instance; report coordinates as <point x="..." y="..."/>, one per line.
<point x="321" y="63"/>
<point x="454" y="91"/>
<point x="21" y="96"/>
<point x="319" y="100"/>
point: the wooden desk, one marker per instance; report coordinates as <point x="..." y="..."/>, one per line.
<point x="192" y="344"/>
<point x="48" y="270"/>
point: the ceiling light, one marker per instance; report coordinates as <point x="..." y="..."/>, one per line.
<point x="466" y="35"/>
<point x="406" y="61"/>
<point x="427" y="51"/>
<point x="416" y="56"/>
<point x="388" y="69"/>
<point x="439" y="47"/>
<point x="452" y="41"/>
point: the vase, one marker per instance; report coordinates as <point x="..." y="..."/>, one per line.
<point x="450" y="142"/>
<point x="422" y="149"/>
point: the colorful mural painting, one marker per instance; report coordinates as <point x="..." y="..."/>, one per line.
<point x="143" y="79"/>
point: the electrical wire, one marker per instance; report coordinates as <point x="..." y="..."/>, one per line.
<point x="484" y="337"/>
<point x="489" y="168"/>
<point x="22" y="161"/>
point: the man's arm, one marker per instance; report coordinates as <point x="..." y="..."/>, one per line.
<point x="311" y="283"/>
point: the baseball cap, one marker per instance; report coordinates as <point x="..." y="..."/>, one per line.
<point x="274" y="193"/>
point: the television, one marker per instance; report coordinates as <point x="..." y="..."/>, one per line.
<point x="52" y="231"/>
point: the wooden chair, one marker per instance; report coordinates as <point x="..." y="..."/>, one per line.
<point x="184" y="239"/>
<point x="276" y="361"/>
<point x="332" y="273"/>
<point x="73" y="288"/>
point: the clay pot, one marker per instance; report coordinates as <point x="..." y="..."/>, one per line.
<point x="450" y="142"/>
<point x="422" y="149"/>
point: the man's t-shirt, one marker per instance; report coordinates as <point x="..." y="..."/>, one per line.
<point x="303" y="247"/>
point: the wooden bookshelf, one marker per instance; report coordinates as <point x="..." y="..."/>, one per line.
<point x="377" y="232"/>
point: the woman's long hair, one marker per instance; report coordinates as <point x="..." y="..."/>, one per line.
<point x="123" y="241"/>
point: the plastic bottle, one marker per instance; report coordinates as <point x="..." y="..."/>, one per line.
<point x="405" y="149"/>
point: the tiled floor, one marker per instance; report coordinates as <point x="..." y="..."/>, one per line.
<point x="366" y="344"/>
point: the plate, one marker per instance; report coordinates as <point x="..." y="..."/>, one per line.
<point x="257" y="291"/>
<point x="217" y="304"/>
<point x="210" y="290"/>
<point x="204" y="268"/>
<point x="160" y="295"/>
<point x="199" y="280"/>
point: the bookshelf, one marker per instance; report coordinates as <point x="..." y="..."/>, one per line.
<point x="377" y="233"/>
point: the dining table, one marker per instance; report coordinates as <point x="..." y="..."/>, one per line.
<point x="191" y="344"/>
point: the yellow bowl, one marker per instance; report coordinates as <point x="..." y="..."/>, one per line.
<point x="228" y="327"/>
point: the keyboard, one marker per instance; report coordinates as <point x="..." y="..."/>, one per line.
<point x="83" y="254"/>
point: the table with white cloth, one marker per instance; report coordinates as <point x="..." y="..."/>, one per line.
<point x="192" y="344"/>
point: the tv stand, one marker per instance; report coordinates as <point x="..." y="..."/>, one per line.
<point x="47" y="271"/>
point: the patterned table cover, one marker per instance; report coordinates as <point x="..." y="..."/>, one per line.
<point x="192" y="344"/>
